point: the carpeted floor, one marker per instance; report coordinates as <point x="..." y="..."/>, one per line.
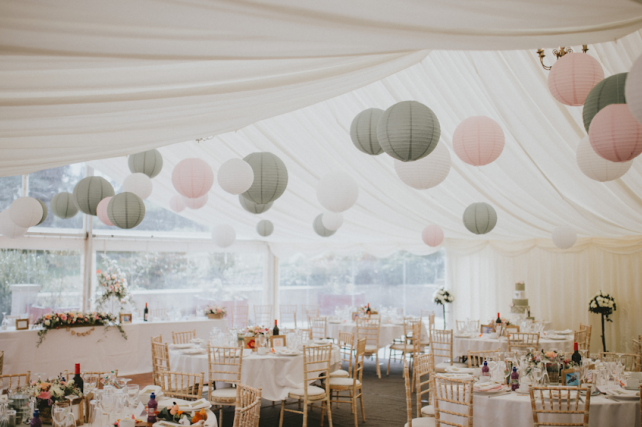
<point x="384" y="402"/>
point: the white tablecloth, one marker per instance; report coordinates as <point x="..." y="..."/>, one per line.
<point x="99" y="351"/>
<point x="275" y="375"/>
<point x="513" y="410"/>
<point x="462" y="345"/>
<point x="387" y="333"/>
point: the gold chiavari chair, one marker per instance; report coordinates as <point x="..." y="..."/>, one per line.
<point x="637" y="348"/>
<point x="441" y="346"/>
<point x="352" y="385"/>
<point x="263" y="315"/>
<point x="183" y="337"/>
<point x="225" y="365"/>
<point x="1" y="360"/>
<point x="453" y="393"/>
<point x="430" y="316"/>
<point x="160" y="358"/>
<point x="15" y="381"/>
<point x="318" y="328"/>
<point x="316" y="367"/>
<point x="631" y="361"/>
<point x="248" y="406"/>
<point x="406" y="346"/>
<point x="369" y="329"/>
<point x="416" y="422"/>
<point x="288" y="315"/>
<point x="588" y="328"/>
<point x="523" y="340"/>
<point x="581" y="338"/>
<point x="424" y="367"/>
<point x="510" y="329"/>
<point x="158" y="312"/>
<point x="240" y="316"/>
<point x="476" y="358"/>
<point x="560" y="402"/>
<point x="346" y="347"/>
<point x="461" y="324"/>
<point x="311" y="311"/>
<point x="182" y="385"/>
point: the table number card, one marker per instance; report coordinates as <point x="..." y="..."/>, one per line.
<point x="277" y="341"/>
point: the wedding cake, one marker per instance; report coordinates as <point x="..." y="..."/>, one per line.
<point x="520" y="302"/>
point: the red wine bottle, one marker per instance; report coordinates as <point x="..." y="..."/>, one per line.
<point x="576" y="357"/>
<point x="146" y="313"/>
<point x="78" y="382"/>
<point x="499" y="319"/>
<point x="368" y="309"/>
<point x="275" y="331"/>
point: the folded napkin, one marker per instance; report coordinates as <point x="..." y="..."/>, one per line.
<point x="490" y="386"/>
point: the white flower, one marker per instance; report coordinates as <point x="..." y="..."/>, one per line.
<point x="56" y="391"/>
<point x="593" y="305"/>
<point x="47" y="322"/>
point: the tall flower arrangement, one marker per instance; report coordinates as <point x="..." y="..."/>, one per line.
<point x="443" y="297"/>
<point x="603" y="304"/>
<point x="112" y="285"/>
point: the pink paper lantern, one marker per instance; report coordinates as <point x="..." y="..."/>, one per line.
<point x="177" y="203"/>
<point x="195" y="203"/>
<point x="572" y="78"/>
<point x="615" y="134"/>
<point x="192" y="178"/>
<point x="432" y="235"/>
<point x="101" y="211"/>
<point x="478" y="140"/>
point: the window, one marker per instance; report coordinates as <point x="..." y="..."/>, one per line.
<point x="45" y="184"/>
<point x="10" y="190"/>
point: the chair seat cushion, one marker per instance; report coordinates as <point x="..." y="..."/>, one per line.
<point x="422" y="422"/>
<point x="441" y="367"/>
<point x="313" y="391"/>
<point x="371" y="348"/>
<point x="428" y="410"/>
<point x="223" y="394"/>
<point x="401" y="347"/>
<point x="342" y="381"/>
<point x="339" y="373"/>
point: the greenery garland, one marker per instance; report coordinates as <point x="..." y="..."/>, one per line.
<point x="76" y="319"/>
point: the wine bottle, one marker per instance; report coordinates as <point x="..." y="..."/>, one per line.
<point x="576" y="357"/>
<point x="78" y="382"/>
<point x="145" y="313"/>
<point x="499" y="319"/>
<point x="275" y="331"/>
<point x="368" y="309"/>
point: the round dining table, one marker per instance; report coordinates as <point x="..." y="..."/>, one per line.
<point x="481" y="342"/>
<point x="275" y="374"/>
<point x="388" y="332"/>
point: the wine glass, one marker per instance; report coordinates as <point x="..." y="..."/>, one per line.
<point x="108" y="403"/>
<point x="71" y="419"/>
<point x="132" y="397"/>
<point x="537" y="375"/>
<point x="58" y="416"/>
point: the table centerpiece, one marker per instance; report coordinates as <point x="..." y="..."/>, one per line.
<point x="253" y="333"/>
<point x="363" y="311"/>
<point x="216" y="312"/>
<point x="48" y="393"/>
<point x="604" y="305"/>
<point x="75" y="319"/>
<point x="550" y="360"/>
<point x="113" y="289"/>
<point x="443" y="297"/>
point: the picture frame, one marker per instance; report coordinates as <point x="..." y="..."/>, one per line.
<point x="355" y="316"/>
<point x="125" y="318"/>
<point x="249" y="342"/>
<point x="22" y="324"/>
<point x="487" y="329"/>
<point x="278" y="341"/>
<point x="571" y="377"/>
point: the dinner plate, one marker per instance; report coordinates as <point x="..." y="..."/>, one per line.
<point x="491" y="388"/>
<point x="456" y="370"/>
<point x="334" y="322"/>
<point x="623" y="394"/>
<point x="184" y="405"/>
<point x="462" y="336"/>
<point x="181" y="346"/>
<point x="287" y="353"/>
<point x="194" y="351"/>
<point x="556" y="338"/>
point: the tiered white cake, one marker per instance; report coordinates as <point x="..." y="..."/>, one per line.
<point x="520" y="302"/>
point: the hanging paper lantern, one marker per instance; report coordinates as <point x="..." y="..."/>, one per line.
<point x="320" y="229"/>
<point x="573" y="76"/>
<point x="45" y="211"/>
<point x="270" y="178"/>
<point x="478" y="140"/>
<point x="480" y="218"/>
<point x="596" y="167"/>
<point x="235" y="176"/>
<point x="224" y="236"/>
<point x="8" y="228"/>
<point x="26" y="212"/>
<point x="139" y="184"/>
<point x="564" y="236"/>
<point x="425" y="173"/>
<point x="62" y="205"/>
<point x="126" y="210"/>
<point x="192" y="178"/>
<point x="90" y="191"/>
<point x="177" y="203"/>
<point x="264" y="228"/>
<point x="253" y="207"/>
<point x="408" y="131"/>
<point x="148" y="162"/>
<point x="101" y="211"/>
<point x="195" y="203"/>
<point x="633" y="90"/>
<point x="608" y="91"/>
<point x="432" y="235"/>
<point x="363" y="131"/>
<point x="337" y="191"/>
<point x="332" y="220"/>
<point x="615" y="134"/>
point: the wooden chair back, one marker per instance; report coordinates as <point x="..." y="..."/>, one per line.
<point x="182" y="385"/>
<point x="406" y="378"/>
<point x="461" y="324"/>
<point x="588" y="328"/>
<point x="311" y="311"/>
<point x="15" y="381"/>
<point x="457" y="394"/>
<point x="288" y="315"/>
<point x="631" y="361"/>
<point x="183" y="337"/>
<point x="510" y="329"/>
<point x="441" y="344"/>
<point x="318" y="328"/>
<point x="247" y="397"/>
<point x="1" y="360"/>
<point x="359" y="360"/>
<point x="428" y="315"/>
<point x="424" y="369"/>
<point x="369" y="328"/>
<point x="225" y="364"/>
<point x="240" y="316"/>
<point x="160" y="358"/>
<point x="158" y="312"/>
<point x="346" y="347"/>
<point x="581" y="338"/>
<point x="637" y="348"/>
<point x="263" y="315"/>
<point x="523" y="340"/>
<point x="476" y="358"/>
<point x="316" y="366"/>
<point x="560" y="402"/>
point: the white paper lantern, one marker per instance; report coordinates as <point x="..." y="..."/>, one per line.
<point x="139" y="184"/>
<point x="224" y="236"/>
<point x="235" y="176"/>
<point x="320" y="229"/>
<point x="332" y="220"/>
<point x="337" y="191"/>
<point x="264" y="228"/>
<point x="427" y="172"/>
<point x="596" y="167"/>
<point x="7" y="227"/>
<point x="177" y="203"/>
<point x="564" y="236"/>
<point x="197" y="203"/>
<point x="26" y="212"/>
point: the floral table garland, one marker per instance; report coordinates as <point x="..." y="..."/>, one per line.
<point x="76" y="319"/>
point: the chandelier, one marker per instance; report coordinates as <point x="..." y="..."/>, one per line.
<point x="559" y="52"/>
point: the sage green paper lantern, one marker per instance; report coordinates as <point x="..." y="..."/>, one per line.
<point x="45" y="211"/>
<point x="270" y="178"/>
<point x="63" y="206"/>
<point x="608" y="91"/>
<point x="264" y="228"/>
<point x="148" y="162"/>
<point x="363" y="131"/>
<point x="408" y="131"/>
<point x="253" y="207"/>
<point x="480" y="218"/>
<point x="126" y="210"/>
<point x="90" y="191"/>
<point x="320" y="229"/>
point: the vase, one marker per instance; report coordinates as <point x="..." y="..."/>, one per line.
<point x="553" y="371"/>
<point x="214" y="316"/>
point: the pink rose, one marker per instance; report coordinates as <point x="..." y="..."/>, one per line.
<point x="551" y="354"/>
<point x="44" y="395"/>
<point x="63" y="317"/>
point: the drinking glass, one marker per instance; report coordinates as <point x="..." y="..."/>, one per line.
<point x="108" y="403"/>
<point x="132" y="397"/>
<point x="537" y="375"/>
<point x="58" y="416"/>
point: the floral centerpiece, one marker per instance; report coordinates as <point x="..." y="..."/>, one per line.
<point x="49" y="392"/>
<point x="550" y="360"/>
<point x="112" y="285"/>
<point x="75" y="319"/>
<point x="364" y="310"/>
<point x="216" y="312"/>
<point x="254" y="333"/>
<point x="443" y="297"/>
<point x="603" y="304"/>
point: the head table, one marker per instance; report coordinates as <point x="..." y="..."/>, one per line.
<point x="387" y="333"/>
<point x="461" y="345"/>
